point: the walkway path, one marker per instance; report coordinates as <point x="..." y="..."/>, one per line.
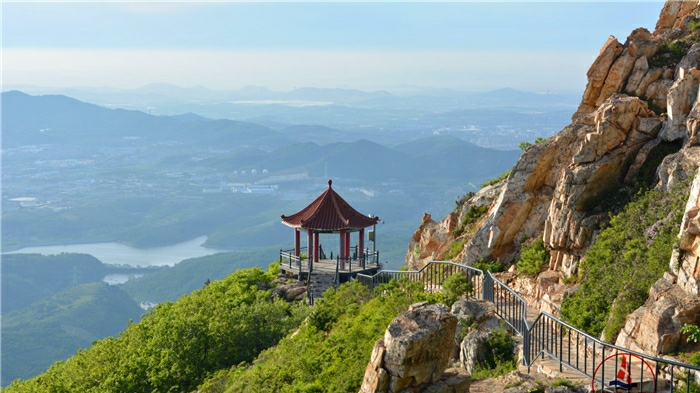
<point x="552" y="346"/>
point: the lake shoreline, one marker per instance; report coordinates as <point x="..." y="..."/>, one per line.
<point x="14" y="248"/>
<point x="120" y="254"/>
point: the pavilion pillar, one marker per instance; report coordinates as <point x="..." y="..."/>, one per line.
<point x="361" y="246"/>
<point x="310" y="248"/>
<point x="317" y="247"/>
<point x="297" y="242"/>
<point x="347" y="245"/>
<point x="341" y="252"/>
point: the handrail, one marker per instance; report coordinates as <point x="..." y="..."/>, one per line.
<point x="547" y="333"/>
<point x="432" y="275"/>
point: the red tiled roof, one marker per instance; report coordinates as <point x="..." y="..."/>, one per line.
<point x="329" y="212"/>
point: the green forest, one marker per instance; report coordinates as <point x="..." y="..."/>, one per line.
<point x="232" y="335"/>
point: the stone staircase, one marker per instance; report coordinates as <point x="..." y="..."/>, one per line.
<point x="319" y="282"/>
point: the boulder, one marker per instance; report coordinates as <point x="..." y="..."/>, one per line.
<point x="479" y="313"/>
<point x="655" y="327"/>
<point x="414" y="353"/>
<point x="289" y="292"/>
<point x="473" y="349"/>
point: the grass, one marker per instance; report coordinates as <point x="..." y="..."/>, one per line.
<point x="563" y="382"/>
<point x="493" y="266"/>
<point x="473" y="214"/>
<point x="496" y="179"/>
<point x="624" y="260"/>
<point x="534" y="257"/>
<point x="454" y="250"/>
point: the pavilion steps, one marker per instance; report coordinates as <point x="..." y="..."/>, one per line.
<point x="319" y="282"/>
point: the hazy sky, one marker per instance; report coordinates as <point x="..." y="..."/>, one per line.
<point x="532" y="46"/>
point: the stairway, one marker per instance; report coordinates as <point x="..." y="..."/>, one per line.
<point x="319" y="282"/>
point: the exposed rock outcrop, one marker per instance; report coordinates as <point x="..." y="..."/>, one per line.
<point x="655" y="327"/>
<point x="554" y="186"/>
<point x="432" y="240"/>
<point x="674" y="300"/>
<point x="554" y="189"/>
<point x="414" y="354"/>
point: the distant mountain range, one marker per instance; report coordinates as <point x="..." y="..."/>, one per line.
<point x="58" y="119"/>
<point x="162" y="93"/>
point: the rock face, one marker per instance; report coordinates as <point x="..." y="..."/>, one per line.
<point x="432" y="239"/>
<point x="654" y="327"/>
<point x="688" y="263"/>
<point x="414" y="353"/>
<point x="555" y="188"/>
<point x="674" y="300"/>
<point x="641" y="102"/>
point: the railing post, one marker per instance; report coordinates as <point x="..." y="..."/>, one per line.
<point x="337" y="277"/>
<point x="486" y="284"/>
<point x="526" y="349"/>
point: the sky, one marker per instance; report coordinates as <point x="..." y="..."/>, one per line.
<point x="533" y="46"/>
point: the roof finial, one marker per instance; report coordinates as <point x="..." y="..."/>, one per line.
<point x="329" y="183"/>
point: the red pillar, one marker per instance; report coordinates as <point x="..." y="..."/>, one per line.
<point x="297" y="242"/>
<point x="316" y="247"/>
<point x="310" y="245"/>
<point x="347" y="244"/>
<point x="341" y="252"/>
<point x="361" y="246"/>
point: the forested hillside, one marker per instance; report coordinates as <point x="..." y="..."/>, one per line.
<point x="27" y="278"/>
<point x="177" y="345"/>
<point x="56" y="327"/>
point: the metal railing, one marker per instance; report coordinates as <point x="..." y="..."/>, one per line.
<point x="510" y="306"/>
<point x="432" y="276"/>
<point x="549" y="336"/>
<point x="288" y="258"/>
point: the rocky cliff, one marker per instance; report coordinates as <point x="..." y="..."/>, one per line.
<point x="636" y="126"/>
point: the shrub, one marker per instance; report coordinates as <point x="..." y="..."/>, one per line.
<point x="563" y="382"/>
<point x="524" y="145"/>
<point x="694" y="24"/>
<point x="455" y="286"/>
<point x="463" y="199"/>
<point x="473" y="214"/>
<point x="334" y="360"/>
<point x="533" y="257"/>
<point x="694" y="359"/>
<point x="626" y="258"/>
<point x="454" y="250"/>
<point x="498" y="356"/>
<point x="670" y="53"/>
<point x="493" y="266"/>
<point x="693" y="332"/>
<point x="496" y="179"/>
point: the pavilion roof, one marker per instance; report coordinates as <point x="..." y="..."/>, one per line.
<point x="329" y="212"/>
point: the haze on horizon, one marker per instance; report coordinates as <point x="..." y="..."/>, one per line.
<point x="533" y="46"/>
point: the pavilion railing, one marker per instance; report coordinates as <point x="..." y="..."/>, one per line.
<point x="288" y="258"/>
<point x="370" y="260"/>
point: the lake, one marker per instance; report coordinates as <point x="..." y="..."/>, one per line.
<point x="120" y="254"/>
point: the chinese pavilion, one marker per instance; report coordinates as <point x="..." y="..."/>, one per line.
<point x="329" y="213"/>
